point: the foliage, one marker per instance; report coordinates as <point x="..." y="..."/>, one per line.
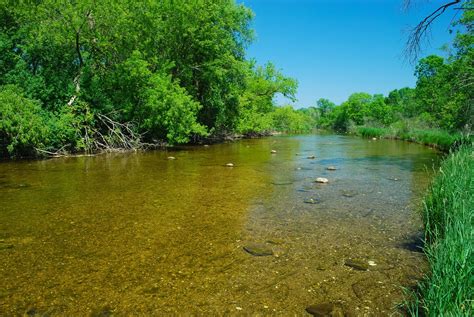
<point x="448" y="216"/>
<point x="23" y="124"/>
<point x="442" y="99"/>
<point x="286" y="119"/>
<point x="256" y="103"/>
<point x="170" y="70"/>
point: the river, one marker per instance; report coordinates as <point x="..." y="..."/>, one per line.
<point x="139" y="234"/>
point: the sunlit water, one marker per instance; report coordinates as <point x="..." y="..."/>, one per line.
<point x="138" y="234"/>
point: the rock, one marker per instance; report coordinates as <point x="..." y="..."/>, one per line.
<point x="258" y="249"/>
<point x="356" y="264"/>
<point x="393" y="179"/>
<point x="311" y="157"/>
<point x="374" y="139"/>
<point x="331" y="168"/>
<point x="171" y="158"/>
<point x="349" y="193"/>
<point x="322" y="180"/>
<point x="312" y="201"/>
<point x="229" y="165"/>
<point x="325" y="310"/>
<point x="206" y="145"/>
<point x="273" y="151"/>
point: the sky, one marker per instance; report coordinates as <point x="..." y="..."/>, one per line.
<point x="337" y="47"/>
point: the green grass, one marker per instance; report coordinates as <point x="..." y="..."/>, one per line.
<point x="440" y="139"/>
<point x="371" y="132"/>
<point x="448" y="217"/>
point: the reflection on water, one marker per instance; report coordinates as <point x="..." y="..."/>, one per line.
<point x="140" y="234"/>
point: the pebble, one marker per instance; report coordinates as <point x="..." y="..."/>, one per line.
<point x="322" y="180"/>
<point x="312" y="201"/>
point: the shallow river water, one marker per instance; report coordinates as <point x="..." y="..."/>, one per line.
<point x="138" y="234"/>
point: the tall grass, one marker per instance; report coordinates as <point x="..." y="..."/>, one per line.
<point x="448" y="217"/>
<point x="440" y="139"/>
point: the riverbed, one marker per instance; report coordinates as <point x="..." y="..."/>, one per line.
<point x="141" y="234"/>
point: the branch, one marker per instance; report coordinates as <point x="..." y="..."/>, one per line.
<point x="413" y="44"/>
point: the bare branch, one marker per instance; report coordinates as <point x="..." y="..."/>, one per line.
<point x="419" y="32"/>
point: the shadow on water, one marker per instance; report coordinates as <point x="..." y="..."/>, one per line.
<point x="414" y="243"/>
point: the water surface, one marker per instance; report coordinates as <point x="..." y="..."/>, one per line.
<point x="138" y="234"/>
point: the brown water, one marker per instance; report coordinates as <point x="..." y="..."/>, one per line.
<point x="137" y="234"/>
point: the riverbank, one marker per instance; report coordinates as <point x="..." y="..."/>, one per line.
<point x="436" y="138"/>
<point x="448" y="214"/>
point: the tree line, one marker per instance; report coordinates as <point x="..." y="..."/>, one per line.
<point x="91" y="75"/>
<point x="442" y="98"/>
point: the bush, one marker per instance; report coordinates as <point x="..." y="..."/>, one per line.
<point x="23" y="124"/>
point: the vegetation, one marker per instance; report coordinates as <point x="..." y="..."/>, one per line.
<point x="91" y="76"/>
<point x="448" y="215"/>
<point x="440" y="139"/>
<point x="436" y="112"/>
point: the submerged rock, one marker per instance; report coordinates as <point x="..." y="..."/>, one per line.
<point x="325" y="309"/>
<point x="258" y="249"/>
<point x="103" y="312"/>
<point x="322" y="180"/>
<point x="331" y="168"/>
<point x="229" y="165"/>
<point x="282" y="183"/>
<point x="357" y="264"/>
<point x="349" y="193"/>
<point x="312" y="201"/>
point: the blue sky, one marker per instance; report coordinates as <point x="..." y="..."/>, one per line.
<point x="337" y="47"/>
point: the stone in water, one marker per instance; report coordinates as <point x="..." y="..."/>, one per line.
<point x="258" y="249"/>
<point x="356" y="264"/>
<point x="322" y="180"/>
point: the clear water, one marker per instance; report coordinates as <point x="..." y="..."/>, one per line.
<point x="138" y="234"/>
